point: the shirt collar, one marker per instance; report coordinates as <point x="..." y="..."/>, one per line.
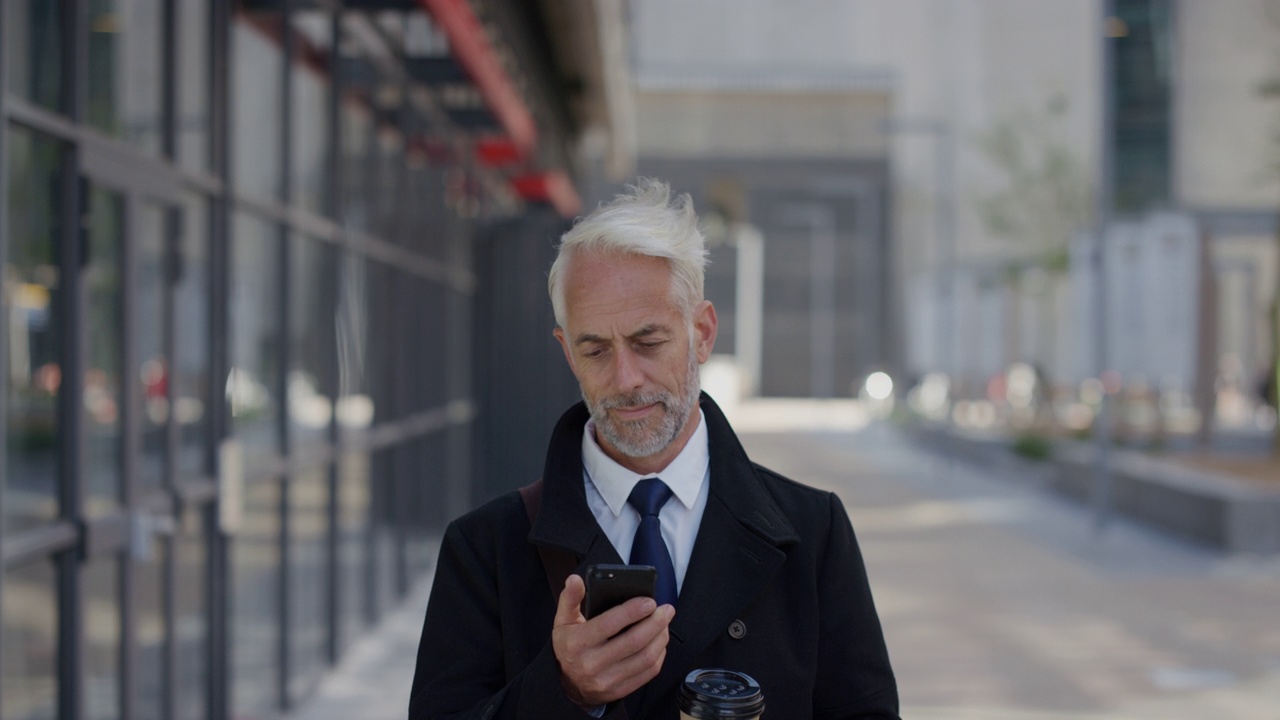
<point x="684" y="475"/>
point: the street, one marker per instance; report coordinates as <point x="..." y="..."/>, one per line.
<point x="998" y="601"/>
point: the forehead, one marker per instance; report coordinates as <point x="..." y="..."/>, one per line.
<point x="616" y="289"/>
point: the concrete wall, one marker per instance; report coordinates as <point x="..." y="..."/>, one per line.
<point x="1225" y="152"/>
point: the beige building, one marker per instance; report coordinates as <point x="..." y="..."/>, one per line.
<point x="986" y="119"/>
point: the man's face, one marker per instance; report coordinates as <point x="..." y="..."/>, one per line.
<point x="634" y="353"/>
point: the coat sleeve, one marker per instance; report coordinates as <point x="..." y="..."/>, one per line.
<point x="465" y="663"/>
<point x="853" y="652"/>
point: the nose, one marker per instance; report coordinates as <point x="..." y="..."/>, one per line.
<point x="627" y="373"/>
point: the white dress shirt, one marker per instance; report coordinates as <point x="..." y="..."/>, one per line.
<point x="608" y="486"/>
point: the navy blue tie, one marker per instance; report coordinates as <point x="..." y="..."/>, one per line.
<point x="648" y="497"/>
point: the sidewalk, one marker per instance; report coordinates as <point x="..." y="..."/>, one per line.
<point x="999" y="601"/>
<point x="372" y="681"/>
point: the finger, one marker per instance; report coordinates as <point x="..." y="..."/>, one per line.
<point x="621" y="653"/>
<point x="569" y="608"/>
<point x="615" y="620"/>
<point x="637" y="654"/>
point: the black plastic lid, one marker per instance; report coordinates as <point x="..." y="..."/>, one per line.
<point x="714" y="693"/>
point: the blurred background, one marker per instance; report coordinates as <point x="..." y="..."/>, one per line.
<point x="1004" y="274"/>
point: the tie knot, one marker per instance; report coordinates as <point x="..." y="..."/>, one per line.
<point x="649" y="495"/>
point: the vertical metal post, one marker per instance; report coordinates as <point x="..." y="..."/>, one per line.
<point x="1102" y="210"/>
<point x="822" y="291"/>
<point x="284" y="253"/>
<point x="748" y="327"/>
<point x="129" y="430"/>
<point x="70" y="399"/>
<point x="172" y="253"/>
<point x="868" y="240"/>
<point x="946" y="203"/>
<point x="402" y="289"/>
<point x="333" y="208"/>
<point x="218" y="581"/>
<point x="4" y="256"/>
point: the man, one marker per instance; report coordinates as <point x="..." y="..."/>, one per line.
<point x="757" y="573"/>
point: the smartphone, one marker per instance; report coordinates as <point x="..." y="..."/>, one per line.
<point x="611" y="585"/>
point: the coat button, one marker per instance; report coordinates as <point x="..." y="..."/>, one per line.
<point x="737" y="629"/>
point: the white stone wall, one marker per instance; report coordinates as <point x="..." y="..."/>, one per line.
<point x="1227" y="154"/>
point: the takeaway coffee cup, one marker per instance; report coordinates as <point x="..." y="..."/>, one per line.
<point x="715" y="693"/>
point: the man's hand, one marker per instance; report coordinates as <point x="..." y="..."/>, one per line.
<point x="609" y="656"/>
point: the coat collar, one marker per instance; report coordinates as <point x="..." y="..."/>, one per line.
<point x="741" y="542"/>
<point x="565" y="521"/>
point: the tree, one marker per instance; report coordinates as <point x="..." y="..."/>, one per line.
<point x="1270" y="89"/>
<point x="1045" y="197"/>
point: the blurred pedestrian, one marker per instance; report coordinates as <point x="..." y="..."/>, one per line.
<point x="756" y="573"/>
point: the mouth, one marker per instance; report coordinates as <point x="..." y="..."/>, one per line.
<point x="633" y="413"/>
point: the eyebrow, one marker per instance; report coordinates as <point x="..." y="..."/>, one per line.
<point x="643" y="332"/>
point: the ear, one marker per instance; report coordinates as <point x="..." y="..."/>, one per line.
<point x="564" y="345"/>
<point x="705" y="325"/>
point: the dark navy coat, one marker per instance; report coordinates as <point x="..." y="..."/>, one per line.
<point x="775" y="560"/>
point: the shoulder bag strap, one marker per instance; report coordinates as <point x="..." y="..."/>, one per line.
<point x="558" y="564"/>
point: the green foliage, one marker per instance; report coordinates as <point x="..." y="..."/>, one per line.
<point x="1046" y="193"/>
<point x="1033" y="446"/>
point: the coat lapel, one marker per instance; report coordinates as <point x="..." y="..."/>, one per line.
<point x="740" y="548"/>
<point x="565" y="522"/>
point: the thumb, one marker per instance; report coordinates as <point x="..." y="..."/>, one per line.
<point x="569" y="609"/>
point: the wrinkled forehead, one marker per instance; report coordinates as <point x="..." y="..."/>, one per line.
<point x="618" y="287"/>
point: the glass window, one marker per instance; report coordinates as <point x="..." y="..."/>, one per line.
<point x="256" y="579"/>
<point x="150" y="288"/>
<point x="357" y="137"/>
<point x="191" y="631"/>
<point x="311" y="88"/>
<point x="148" y="596"/>
<point x="355" y="405"/>
<point x="28" y="643"/>
<point x="105" y="350"/>
<point x="257" y="85"/>
<point x="436" y="353"/>
<point x="385" y="537"/>
<point x="191" y="303"/>
<point x="102" y="638"/>
<point x="193" y="47"/>
<point x="355" y="570"/>
<point x="1142" y="87"/>
<point x="425" y="215"/>
<point x="389" y="185"/>
<point x="126" y="64"/>
<point x="308" y="578"/>
<point x="31" y="307"/>
<point x="33" y="46"/>
<point x="311" y="349"/>
<point x="254" y="383"/>
<point x="382" y="343"/>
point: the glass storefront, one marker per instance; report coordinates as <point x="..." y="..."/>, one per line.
<point x="30" y="633"/>
<point x="103" y="398"/>
<point x="33" y="318"/>
<point x="224" y="349"/>
<point x="253" y="385"/>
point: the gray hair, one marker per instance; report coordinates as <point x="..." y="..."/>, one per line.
<point x="642" y="221"/>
